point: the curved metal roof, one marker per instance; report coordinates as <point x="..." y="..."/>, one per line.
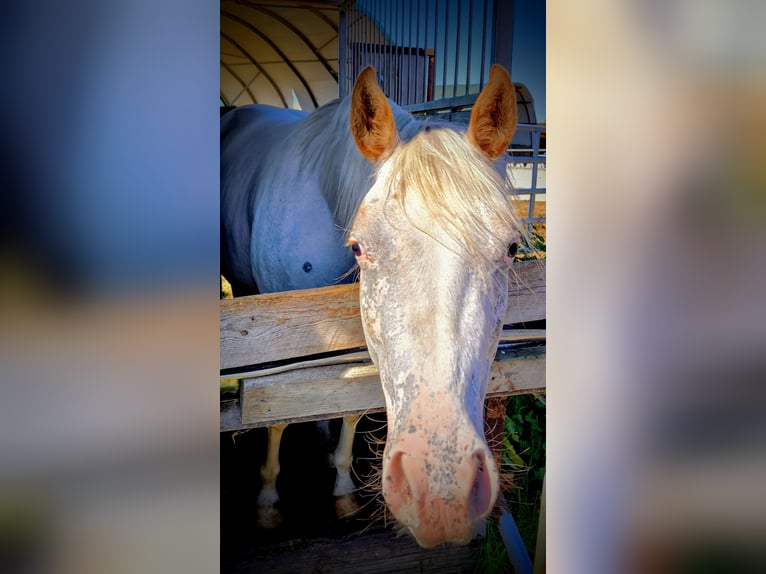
<point x="282" y="53"/>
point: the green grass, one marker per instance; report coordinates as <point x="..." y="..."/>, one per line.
<point x="229" y="389"/>
<point x="491" y="555"/>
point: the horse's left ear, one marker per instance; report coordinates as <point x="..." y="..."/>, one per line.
<point x="493" y="119"/>
<point x="372" y="121"/>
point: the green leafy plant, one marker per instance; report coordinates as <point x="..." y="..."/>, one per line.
<point x="533" y="246"/>
<point x="524" y="456"/>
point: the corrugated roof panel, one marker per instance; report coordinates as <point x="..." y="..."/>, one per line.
<point x="270" y="49"/>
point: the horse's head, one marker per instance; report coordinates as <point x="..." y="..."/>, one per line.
<point x="432" y="240"/>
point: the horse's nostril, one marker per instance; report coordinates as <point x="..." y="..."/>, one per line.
<point x="481" y="489"/>
<point x="512" y="249"/>
<point x="397" y="481"/>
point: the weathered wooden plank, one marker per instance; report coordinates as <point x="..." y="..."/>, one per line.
<point x="335" y="390"/>
<point x="506" y="336"/>
<point x="376" y="550"/>
<point x="311" y="394"/>
<point x="231" y="416"/>
<point x="526" y="292"/>
<point x="278" y="326"/>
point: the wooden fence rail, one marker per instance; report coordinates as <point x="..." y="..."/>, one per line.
<point x="299" y="355"/>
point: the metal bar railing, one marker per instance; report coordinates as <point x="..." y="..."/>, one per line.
<point x="426" y="49"/>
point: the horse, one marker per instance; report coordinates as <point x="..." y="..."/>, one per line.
<point x="420" y="210"/>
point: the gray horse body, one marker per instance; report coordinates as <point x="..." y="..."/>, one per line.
<point x="291" y="183"/>
<point x="277" y="232"/>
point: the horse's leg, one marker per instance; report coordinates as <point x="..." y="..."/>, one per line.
<point x="268" y="516"/>
<point x="345" y="500"/>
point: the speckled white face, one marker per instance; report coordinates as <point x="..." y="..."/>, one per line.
<point x="432" y="316"/>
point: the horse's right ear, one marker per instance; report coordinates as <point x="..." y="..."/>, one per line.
<point x="493" y="119"/>
<point x="372" y="121"/>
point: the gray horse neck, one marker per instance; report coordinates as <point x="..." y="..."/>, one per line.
<point x="330" y="153"/>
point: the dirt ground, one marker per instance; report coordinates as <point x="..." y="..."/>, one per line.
<point x="521" y="208"/>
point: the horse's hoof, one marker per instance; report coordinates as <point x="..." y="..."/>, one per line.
<point x="346" y="505"/>
<point x="269" y="517"/>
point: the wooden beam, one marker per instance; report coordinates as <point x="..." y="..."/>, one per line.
<point x="506" y="336"/>
<point x="278" y="326"/>
<point x="331" y="391"/>
<point x="526" y="293"/>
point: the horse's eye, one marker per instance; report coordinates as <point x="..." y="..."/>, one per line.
<point x="512" y="249"/>
<point x="356" y="248"/>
